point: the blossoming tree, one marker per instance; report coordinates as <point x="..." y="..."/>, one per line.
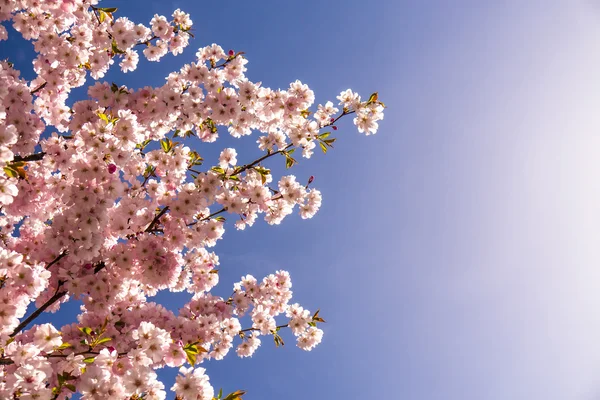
<point x="90" y="212"/>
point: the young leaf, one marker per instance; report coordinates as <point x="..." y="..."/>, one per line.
<point x="63" y="346"/>
<point x="86" y="330"/>
<point x="373" y="98"/>
<point x="191" y="357"/>
<point x="289" y="161"/>
<point x="115" y="48"/>
<point x="103" y="340"/>
<point x="237" y="395"/>
<point x="166" y="145"/>
<point x="323" y="147"/>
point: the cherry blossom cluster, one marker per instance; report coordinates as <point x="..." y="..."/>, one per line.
<point x="106" y="201"/>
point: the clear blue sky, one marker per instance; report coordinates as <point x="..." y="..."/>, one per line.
<point x="456" y="253"/>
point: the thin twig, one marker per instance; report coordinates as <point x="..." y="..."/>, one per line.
<point x="57" y="259"/>
<point x="43" y="85"/>
<point x="155" y="220"/>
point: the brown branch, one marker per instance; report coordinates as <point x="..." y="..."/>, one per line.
<point x="147" y="42"/>
<point x="8" y="361"/>
<point x="155" y="220"/>
<point x="99" y="267"/>
<point x="57" y="296"/>
<point x="252" y="164"/>
<point x="256" y="329"/>
<point x="207" y="218"/>
<point x="30" y="157"/>
<point x="57" y="259"/>
<point x="43" y="85"/>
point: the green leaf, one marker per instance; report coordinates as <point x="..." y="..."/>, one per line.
<point x="88" y="360"/>
<point x="323" y="147"/>
<point x="218" y="170"/>
<point x="329" y="142"/>
<point x="220" y="219"/>
<point x="102" y="16"/>
<point x="195" y="158"/>
<point x="114" y="88"/>
<point x="149" y="171"/>
<point x="108" y="9"/>
<point x="86" y="330"/>
<point x="264" y="172"/>
<point x="104" y="117"/>
<point x="237" y="395"/>
<point x="220" y="393"/>
<point x="278" y="340"/>
<point x="71" y="387"/>
<point x="191" y="357"/>
<point x="142" y="145"/>
<point x="11" y="173"/>
<point x="324" y="135"/>
<point x="289" y="161"/>
<point x="316" y="317"/>
<point x="166" y="145"/>
<point x="373" y="98"/>
<point x="64" y="346"/>
<point x="115" y="48"/>
<point x="103" y="340"/>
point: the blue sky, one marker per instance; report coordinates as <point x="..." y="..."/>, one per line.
<point x="456" y="252"/>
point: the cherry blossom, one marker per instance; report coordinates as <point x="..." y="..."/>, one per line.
<point x="106" y="201"/>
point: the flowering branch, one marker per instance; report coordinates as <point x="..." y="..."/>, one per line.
<point x="57" y="296"/>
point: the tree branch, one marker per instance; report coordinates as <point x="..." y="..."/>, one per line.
<point x="43" y="85"/>
<point x="252" y="164"/>
<point x="57" y="296"/>
<point x="57" y="259"/>
<point x="30" y="157"/>
<point x="155" y="220"/>
<point x="256" y="329"/>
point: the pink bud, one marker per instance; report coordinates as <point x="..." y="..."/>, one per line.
<point x="112" y="168"/>
<point x="311" y="179"/>
<point x="87" y="266"/>
<point x="231" y="53"/>
<point x="111" y="349"/>
<point x="331" y="119"/>
<point x="334" y="128"/>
